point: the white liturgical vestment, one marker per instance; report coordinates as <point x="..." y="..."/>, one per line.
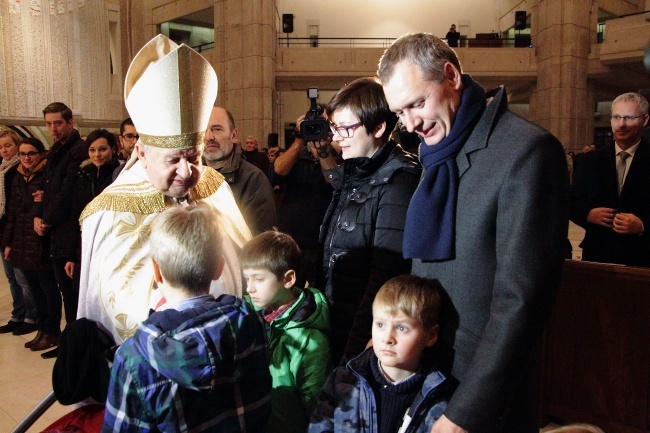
<point x="116" y="282"/>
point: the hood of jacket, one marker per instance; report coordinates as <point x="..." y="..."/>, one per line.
<point x="378" y="169"/>
<point x="196" y="346"/>
<point x="309" y="311"/>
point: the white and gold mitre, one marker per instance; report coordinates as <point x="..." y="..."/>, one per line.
<point x="169" y="92"/>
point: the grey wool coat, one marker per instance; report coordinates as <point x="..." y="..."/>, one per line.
<point x="511" y="229"/>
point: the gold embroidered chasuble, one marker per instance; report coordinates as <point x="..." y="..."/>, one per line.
<point x="117" y="285"/>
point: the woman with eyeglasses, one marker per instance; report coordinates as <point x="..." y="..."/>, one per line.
<point x="95" y="174"/>
<point x="361" y="235"/>
<point x="27" y="250"/>
<point x="23" y="314"/>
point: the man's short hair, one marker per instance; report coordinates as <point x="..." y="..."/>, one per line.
<point x="425" y="50"/>
<point x="11" y="134"/>
<point x="125" y="122"/>
<point x="186" y="244"/>
<point x="418" y="298"/>
<point x="274" y="251"/>
<point x="641" y="101"/>
<point x="59" y="107"/>
<point x="365" y="98"/>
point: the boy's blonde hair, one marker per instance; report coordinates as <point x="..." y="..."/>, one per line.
<point x="418" y="298"/>
<point x="274" y="251"/>
<point x="186" y="244"/>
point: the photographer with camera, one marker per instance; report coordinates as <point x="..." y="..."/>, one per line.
<point x="307" y="192"/>
<point x="361" y="235"/>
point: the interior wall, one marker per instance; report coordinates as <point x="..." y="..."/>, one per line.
<point x="387" y="18"/>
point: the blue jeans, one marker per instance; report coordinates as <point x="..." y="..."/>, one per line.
<point x="47" y="298"/>
<point x="24" y="308"/>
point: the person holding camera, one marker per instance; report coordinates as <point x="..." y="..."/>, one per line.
<point x="361" y="235"/>
<point x="307" y="193"/>
<point x="452" y="36"/>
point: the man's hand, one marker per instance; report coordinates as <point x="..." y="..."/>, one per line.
<point x="444" y="425"/>
<point x="603" y="216"/>
<point x="627" y="224"/>
<point x="7" y="253"/>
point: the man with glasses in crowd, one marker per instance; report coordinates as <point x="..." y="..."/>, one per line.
<point x="128" y="138"/>
<point x="610" y="197"/>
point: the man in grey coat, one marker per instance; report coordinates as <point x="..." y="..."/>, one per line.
<point x="489" y="221"/>
<point x="250" y="186"/>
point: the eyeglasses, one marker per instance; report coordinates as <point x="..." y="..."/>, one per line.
<point x="626" y="119"/>
<point x="344" y="131"/>
<point x="130" y="137"/>
<point x="28" y="154"/>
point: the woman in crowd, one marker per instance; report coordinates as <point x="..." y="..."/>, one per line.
<point x="24" y="314"/>
<point x="27" y="250"/>
<point x="362" y="231"/>
<point x="94" y="176"/>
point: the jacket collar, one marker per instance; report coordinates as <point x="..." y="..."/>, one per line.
<point x="59" y="147"/>
<point x="481" y="133"/>
<point x="233" y="162"/>
<point x="377" y="169"/>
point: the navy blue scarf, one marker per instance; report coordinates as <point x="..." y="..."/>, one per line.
<point x="430" y="228"/>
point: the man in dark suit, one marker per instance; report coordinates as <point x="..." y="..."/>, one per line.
<point x="489" y="221"/>
<point x="610" y="197"/>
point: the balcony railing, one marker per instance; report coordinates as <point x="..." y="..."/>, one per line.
<point x="481" y="40"/>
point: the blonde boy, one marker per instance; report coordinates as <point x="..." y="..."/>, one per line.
<point x="297" y="321"/>
<point x="199" y="364"/>
<point x="394" y="385"/>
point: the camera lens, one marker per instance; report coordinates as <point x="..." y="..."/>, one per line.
<point x="314" y="129"/>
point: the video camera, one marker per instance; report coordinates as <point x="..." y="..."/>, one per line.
<point x="314" y="127"/>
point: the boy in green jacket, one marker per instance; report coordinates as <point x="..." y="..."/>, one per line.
<point x="297" y="322"/>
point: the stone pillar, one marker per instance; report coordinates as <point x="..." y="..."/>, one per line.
<point x="562" y="101"/>
<point x="244" y="58"/>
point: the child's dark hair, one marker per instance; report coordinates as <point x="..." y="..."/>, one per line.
<point x="271" y="250"/>
<point x="418" y="298"/>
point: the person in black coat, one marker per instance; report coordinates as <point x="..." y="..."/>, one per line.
<point x="610" y="197"/>
<point x="361" y="234"/>
<point x="23" y="314"/>
<point x="52" y="210"/>
<point x="27" y="250"/>
<point x="95" y="174"/>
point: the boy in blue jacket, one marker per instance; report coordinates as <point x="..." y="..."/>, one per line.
<point x="297" y="322"/>
<point x="199" y="364"/>
<point x="394" y="385"/>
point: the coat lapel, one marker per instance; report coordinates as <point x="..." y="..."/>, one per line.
<point x="481" y="133"/>
<point x="640" y="162"/>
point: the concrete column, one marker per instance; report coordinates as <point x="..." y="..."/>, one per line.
<point x="562" y="101"/>
<point x="244" y="58"/>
